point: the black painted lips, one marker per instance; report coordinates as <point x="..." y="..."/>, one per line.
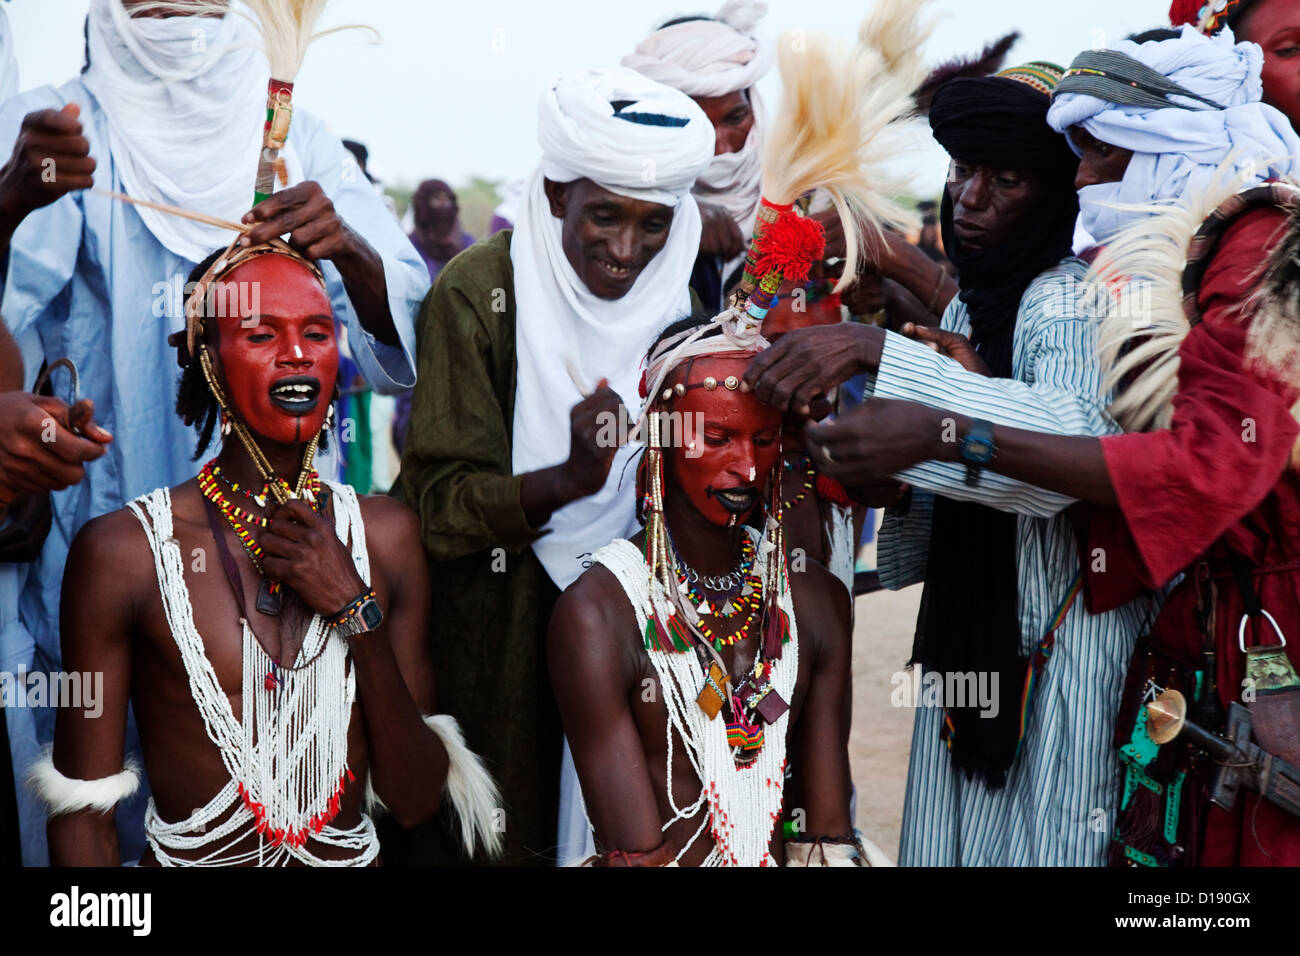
<point x="298" y="408"/>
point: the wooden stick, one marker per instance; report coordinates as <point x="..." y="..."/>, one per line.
<point x="176" y="211"/>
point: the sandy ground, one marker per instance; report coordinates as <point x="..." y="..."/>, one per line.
<point x="882" y="734"/>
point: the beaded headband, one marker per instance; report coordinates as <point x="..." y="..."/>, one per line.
<point x="709" y="383"/>
<point x="234" y="256"/>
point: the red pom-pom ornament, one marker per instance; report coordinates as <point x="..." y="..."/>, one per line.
<point x="790" y="246"/>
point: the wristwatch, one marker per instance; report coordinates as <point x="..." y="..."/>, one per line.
<point x="360" y="616"/>
<point x="977" y="449"/>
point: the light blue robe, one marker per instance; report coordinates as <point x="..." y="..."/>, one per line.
<point x="1058" y="805"/>
<point x="85" y="279"/>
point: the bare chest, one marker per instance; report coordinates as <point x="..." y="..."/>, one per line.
<point x="671" y="759"/>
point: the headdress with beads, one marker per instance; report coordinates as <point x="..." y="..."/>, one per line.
<point x="844" y="116"/>
<point x="1208" y="16"/>
<point x="192" y="347"/>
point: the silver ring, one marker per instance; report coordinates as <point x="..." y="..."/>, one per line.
<point x="826" y="453"/>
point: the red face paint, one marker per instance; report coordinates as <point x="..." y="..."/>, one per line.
<point x="1275" y="26"/>
<point x="723" y="467"/>
<point x="279" y="357"/>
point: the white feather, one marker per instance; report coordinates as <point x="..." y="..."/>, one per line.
<point x="287" y="27"/>
<point x="1135" y="287"/>
<point x="845" y="117"/>
<point x="473" y="793"/>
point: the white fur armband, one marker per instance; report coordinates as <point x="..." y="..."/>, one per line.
<point x="470" y="788"/>
<point x="62" y="794"/>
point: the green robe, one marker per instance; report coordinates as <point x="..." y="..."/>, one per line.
<point x="492" y="598"/>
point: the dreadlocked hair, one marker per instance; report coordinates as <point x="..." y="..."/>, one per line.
<point x="195" y="403"/>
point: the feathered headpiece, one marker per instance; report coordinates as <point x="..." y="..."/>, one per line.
<point x="843" y="117"/>
<point x="1145" y="286"/>
<point x="287" y="28"/>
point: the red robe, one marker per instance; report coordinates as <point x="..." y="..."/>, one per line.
<point x="1189" y="493"/>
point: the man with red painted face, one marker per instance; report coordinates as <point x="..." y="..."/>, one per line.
<point x="268" y="626"/>
<point x="759" y="678"/>
<point x="169" y="108"/>
<point x="718" y="61"/>
<point x="528" y="345"/>
<point x="1273" y="24"/>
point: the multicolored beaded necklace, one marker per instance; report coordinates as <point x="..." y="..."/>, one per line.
<point x="260" y="499"/>
<point x="237" y="517"/>
<point x="750" y="597"/>
<point x="810" y="478"/>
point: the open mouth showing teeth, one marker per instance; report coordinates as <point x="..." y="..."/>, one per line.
<point x="615" y="269"/>
<point x="297" y="395"/>
<point x="737" y="500"/>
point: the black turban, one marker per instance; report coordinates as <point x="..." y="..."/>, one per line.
<point x="1000" y="122"/>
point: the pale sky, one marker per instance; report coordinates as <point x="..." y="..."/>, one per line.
<point x="451" y="90"/>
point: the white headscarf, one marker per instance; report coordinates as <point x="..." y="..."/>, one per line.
<point x="1178" y="151"/>
<point x="185" y="100"/>
<point x="8" y="64"/>
<point x="713" y="58"/>
<point x="562" y="330"/>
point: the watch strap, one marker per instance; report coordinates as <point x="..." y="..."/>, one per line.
<point x="360" y="615"/>
<point x="977" y="448"/>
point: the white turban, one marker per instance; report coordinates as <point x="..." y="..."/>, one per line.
<point x="706" y="57"/>
<point x="1177" y="151"/>
<point x="651" y="147"/>
<point x="713" y="58"/>
<point x="185" y="100"/>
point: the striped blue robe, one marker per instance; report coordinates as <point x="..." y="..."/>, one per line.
<point x="1058" y="806"/>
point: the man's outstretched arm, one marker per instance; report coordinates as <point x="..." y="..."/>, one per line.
<point x="96" y="624"/>
<point x="884" y="437"/>
<point x="591" y="674"/>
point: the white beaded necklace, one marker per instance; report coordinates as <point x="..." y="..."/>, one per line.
<point x="743" y="802"/>
<point x="287" y="757"/>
